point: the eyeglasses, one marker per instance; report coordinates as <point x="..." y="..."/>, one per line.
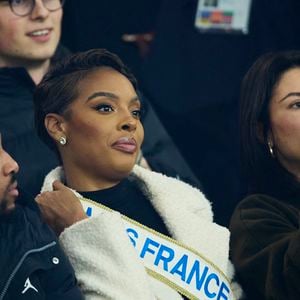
<point x="25" y="7"/>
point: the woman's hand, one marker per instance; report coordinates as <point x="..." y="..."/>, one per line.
<point x="60" y="208"/>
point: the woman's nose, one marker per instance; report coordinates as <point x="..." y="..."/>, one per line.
<point x="129" y="124"/>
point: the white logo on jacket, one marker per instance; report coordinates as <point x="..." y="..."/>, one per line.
<point x="28" y="285"/>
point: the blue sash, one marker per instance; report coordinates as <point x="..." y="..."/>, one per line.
<point x="169" y="261"/>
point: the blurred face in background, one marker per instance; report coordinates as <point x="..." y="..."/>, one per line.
<point x="284" y="112"/>
<point x="8" y="184"/>
<point x="32" y="38"/>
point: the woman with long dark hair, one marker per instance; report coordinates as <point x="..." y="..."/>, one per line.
<point x="265" y="241"/>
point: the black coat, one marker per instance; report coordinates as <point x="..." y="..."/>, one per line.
<point x="265" y="247"/>
<point x="18" y="133"/>
<point x="32" y="264"/>
<point x="19" y="136"/>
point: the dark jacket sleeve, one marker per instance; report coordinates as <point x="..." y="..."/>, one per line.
<point x="55" y="274"/>
<point x="59" y="282"/>
<point x="32" y="263"/>
<point x="265" y="248"/>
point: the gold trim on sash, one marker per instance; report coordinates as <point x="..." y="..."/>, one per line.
<point x="171" y="240"/>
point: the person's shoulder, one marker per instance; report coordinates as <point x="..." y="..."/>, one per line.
<point x="171" y="189"/>
<point x="260" y="210"/>
<point x="11" y="74"/>
<point x="260" y="202"/>
<point x="158" y="179"/>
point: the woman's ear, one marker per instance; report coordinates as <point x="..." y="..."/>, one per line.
<point x="55" y="125"/>
<point x="263" y="137"/>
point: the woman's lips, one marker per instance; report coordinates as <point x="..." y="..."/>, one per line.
<point x="127" y="145"/>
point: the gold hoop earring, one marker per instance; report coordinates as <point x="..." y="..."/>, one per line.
<point x="62" y="140"/>
<point x="271" y="149"/>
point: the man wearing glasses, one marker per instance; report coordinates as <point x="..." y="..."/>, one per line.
<point x="32" y="264"/>
<point x="30" y="31"/>
<point x="29" y="35"/>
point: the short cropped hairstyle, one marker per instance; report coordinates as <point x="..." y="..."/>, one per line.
<point x="257" y="90"/>
<point x="58" y="89"/>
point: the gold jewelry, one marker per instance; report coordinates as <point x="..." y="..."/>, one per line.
<point x="271" y="149"/>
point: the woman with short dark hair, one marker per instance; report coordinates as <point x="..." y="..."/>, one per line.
<point x="133" y="245"/>
<point x="265" y="239"/>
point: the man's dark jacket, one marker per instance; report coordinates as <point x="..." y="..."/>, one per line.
<point x="32" y="264"/>
<point x="17" y="128"/>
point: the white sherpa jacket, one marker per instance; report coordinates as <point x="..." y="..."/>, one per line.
<point x="105" y="262"/>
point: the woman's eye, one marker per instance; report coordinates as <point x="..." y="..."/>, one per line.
<point x="296" y="105"/>
<point x="104" y="108"/>
<point x="137" y="113"/>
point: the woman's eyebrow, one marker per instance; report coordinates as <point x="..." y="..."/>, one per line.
<point x="289" y="95"/>
<point x="111" y="96"/>
<point x="102" y="94"/>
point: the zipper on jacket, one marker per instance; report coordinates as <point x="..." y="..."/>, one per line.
<point x="11" y="277"/>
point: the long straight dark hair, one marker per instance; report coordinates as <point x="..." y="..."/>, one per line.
<point x="263" y="173"/>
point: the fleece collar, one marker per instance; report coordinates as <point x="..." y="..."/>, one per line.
<point x="184" y="209"/>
